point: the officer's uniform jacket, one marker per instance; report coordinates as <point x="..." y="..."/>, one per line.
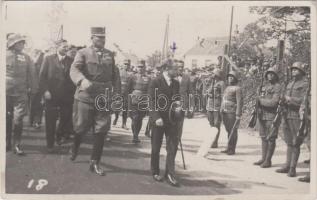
<point x="296" y="90"/>
<point x="20" y="74"/>
<point x="124" y="76"/>
<point x="215" y="95"/>
<point x="232" y="101"/>
<point x="98" y="66"/>
<point x="138" y="85"/>
<point x="269" y="98"/>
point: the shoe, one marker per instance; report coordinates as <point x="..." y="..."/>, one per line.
<point x="305" y="179"/>
<point x="292" y="172"/>
<point x="73" y="154"/>
<point x="224" y="151"/>
<point x="258" y="162"/>
<point x="171" y="180"/>
<point x="136" y="141"/>
<point x="266" y="164"/>
<point x="125" y="127"/>
<point x="307" y="161"/>
<point x="214" y="145"/>
<point x="283" y="170"/>
<point x="18" y="150"/>
<point x="231" y="152"/>
<point x="157" y="178"/>
<point x="95" y="168"/>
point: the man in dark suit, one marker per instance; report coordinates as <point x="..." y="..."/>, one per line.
<point x="163" y="91"/>
<point x="58" y="90"/>
<point x="186" y="91"/>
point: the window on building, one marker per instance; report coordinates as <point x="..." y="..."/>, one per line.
<point x="194" y="63"/>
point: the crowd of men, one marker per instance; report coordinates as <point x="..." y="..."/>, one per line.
<point x="66" y="83"/>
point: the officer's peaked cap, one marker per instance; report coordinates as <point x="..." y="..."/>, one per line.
<point x="98" y="31"/>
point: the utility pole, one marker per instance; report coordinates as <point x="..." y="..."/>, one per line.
<point x="230" y="32"/>
<point x="165" y="50"/>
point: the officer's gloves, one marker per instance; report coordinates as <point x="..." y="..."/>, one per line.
<point x="159" y="122"/>
<point x="85" y="84"/>
<point x="47" y="95"/>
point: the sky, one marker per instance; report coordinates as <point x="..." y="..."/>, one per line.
<point x="136" y="27"/>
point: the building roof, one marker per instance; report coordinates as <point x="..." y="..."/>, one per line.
<point x="208" y="46"/>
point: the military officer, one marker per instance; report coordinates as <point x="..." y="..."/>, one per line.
<point x="231" y="109"/>
<point x="268" y="102"/>
<point x="125" y="76"/>
<point x="21" y="80"/>
<point x="93" y="72"/>
<point x="138" y="87"/>
<point x="215" y="93"/>
<point x="294" y="96"/>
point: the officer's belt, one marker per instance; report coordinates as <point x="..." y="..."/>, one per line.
<point x="293" y="108"/>
<point x="102" y="83"/>
<point x="269" y="109"/>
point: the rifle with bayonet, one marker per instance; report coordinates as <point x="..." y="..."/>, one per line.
<point x="256" y="110"/>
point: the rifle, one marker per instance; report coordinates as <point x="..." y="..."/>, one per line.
<point x="256" y="111"/>
<point x="280" y="110"/>
<point x="304" y="126"/>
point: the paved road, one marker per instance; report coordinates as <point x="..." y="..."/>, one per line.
<point x="127" y="167"/>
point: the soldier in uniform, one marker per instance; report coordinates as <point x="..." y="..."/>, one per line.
<point x="293" y="97"/>
<point x="215" y="92"/>
<point x="268" y="102"/>
<point x="124" y="76"/>
<point x="138" y="86"/>
<point x="306" y="108"/>
<point x="94" y="73"/>
<point x="166" y="85"/>
<point x="21" y="80"/>
<point x="231" y="109"/>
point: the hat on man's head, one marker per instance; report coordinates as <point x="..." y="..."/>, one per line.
<point x="98" y="31"/>
<point x="14" y="38"/>
<point x="141" y="63"/>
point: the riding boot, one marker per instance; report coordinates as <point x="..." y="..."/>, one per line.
<point x="270" y="151"/>
<point x="264" y="151"/>
<point x="286" y="168"/>
<point x="75" y="147"/>
<point x="295" y="156"/>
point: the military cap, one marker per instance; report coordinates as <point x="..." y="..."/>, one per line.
<point x="141" y="63"/>
<point x="98" y="31"/>
<point x="127" y="61"/>
<point x="14" y="38"/>
<point x="234" y="74"/>
<point x="273" y="70"/>
<point x="300" y="66"/>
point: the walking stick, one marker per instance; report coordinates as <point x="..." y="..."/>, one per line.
<point x="180" y="143"/>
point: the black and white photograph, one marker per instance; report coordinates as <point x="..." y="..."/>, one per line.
<point x="164" y="99"/>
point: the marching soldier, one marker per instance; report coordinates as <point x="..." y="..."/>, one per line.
<point x="93" y="72"/>
<point x="21" y="80"/>
<point x="294" y="96"/>
<point x="165" y="85"/>
<point x="231" y="109"/>
<point x="124" y="76"/>
<point x="268" y="102"/>
<point x="215" y="93"/>
<point x="138" y="86"/>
